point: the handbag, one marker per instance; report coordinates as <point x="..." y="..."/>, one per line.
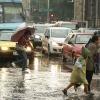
<point x="78" y="64"/>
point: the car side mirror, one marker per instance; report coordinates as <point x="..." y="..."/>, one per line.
<point x="69" y="42"/>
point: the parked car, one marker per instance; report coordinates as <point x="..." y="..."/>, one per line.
<point x="54" y="38"/>
<point x="8" y="48"/>
<point x="73" y="44"/>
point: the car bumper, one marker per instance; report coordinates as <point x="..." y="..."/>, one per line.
<point x="8" y="56"/>
<point x="12" y="55"/>
<point x="57" y="49"/>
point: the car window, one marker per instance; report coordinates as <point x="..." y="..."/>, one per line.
<point x="47" y="32"/>
<point x="72" y="39"/>
<point x="59" y="33"/>
<point x="68" y="38"/>
<point x="5" y="36"/>
<point x="83" y="38"/>
<point x="13" y="14"/>
<point x="40" y="29"/>
<point x="69" y="25"/>
<point x="1" y="13"/>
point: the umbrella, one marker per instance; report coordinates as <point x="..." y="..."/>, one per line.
<point x="17" y="35"/>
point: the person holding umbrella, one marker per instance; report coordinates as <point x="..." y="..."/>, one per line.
<point x="22" y="39"/>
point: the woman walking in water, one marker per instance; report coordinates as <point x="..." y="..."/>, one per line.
<point x="78" y="75"/>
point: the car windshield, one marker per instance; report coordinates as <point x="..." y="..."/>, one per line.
<point x="83" y="38"/>
<point x="69" y="25"/>
<point x="5" y="36"/>
<point x="11" y="13"/>
<point x="40" y="29"/>
<point x="59" y="33"/>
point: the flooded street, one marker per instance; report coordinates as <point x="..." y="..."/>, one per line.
<point x="46" y="80"/>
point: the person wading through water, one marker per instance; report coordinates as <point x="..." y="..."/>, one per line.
<point x="93" y="45"/>
<point x="20" y="48"/>
<point x="79" y="72"/>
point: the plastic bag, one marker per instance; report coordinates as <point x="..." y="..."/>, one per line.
<point x="78" y="64"/>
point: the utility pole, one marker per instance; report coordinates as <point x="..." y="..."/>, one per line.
<point x="96" y="20"/>
<point x="83" y="17"/>
<point x="48" y="8"/>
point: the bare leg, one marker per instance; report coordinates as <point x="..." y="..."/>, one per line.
<point x="86" y="88"/>
<point x="69" y="86"/>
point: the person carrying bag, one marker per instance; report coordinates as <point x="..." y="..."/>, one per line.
<point x="78" y="75"/>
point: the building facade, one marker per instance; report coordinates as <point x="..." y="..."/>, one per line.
<point x="89" y="11"/>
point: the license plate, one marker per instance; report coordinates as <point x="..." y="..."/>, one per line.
<point x="15" y="53"/>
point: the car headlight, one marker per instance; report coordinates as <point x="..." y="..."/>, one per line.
<point x="28" y="49"/>
<point x="4" y="48"/>
<point x="54" y="43"/>
<point x="37" y="36"/>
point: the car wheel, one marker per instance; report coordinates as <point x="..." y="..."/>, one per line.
<point x="63" y="58"/>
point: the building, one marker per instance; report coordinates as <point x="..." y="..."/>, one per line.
<point x="49" y="10"/>
<point x="87" y="11"/>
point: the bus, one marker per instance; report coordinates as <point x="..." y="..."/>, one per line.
<point x="11" y="15"/>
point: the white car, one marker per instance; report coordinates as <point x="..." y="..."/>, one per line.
<point x="53" y="39"/>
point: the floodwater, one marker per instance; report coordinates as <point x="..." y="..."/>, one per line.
<point x="46" y="80"/>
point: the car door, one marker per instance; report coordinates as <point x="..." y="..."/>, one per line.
<point x="69" y="45"/>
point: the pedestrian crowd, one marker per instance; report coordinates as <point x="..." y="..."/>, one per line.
<point x="86" y="65"/>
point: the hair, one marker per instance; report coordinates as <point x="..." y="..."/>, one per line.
<point x="97" y="33"/>
<point x="84" y="52"/>
<point x="94" y="38"/>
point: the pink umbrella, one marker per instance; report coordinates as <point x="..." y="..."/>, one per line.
<point x="17" y="35"/>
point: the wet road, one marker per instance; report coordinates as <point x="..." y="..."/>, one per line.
<point x="45" y="82"/>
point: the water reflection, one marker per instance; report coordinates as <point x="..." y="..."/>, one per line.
<point x="45" y="82"/>
<point x="36" y="64"/>
<point x="95" y="84"/>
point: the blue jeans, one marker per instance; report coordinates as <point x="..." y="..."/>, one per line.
<point x="22" y="59"/>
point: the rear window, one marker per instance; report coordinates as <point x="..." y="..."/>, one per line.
<point x="83" y="38"/>
<point x="60" y="33"/>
